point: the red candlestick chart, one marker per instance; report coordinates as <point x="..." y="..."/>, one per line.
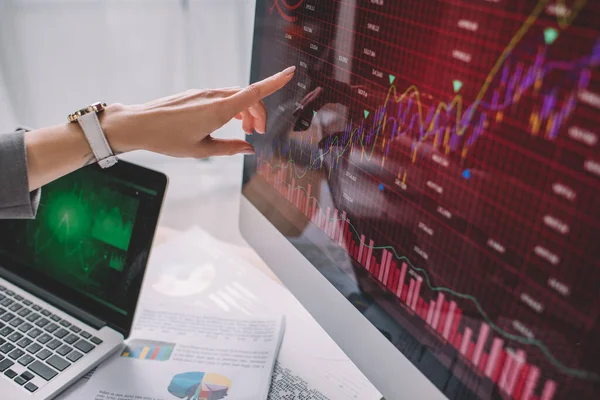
<point x="458" y="144"/>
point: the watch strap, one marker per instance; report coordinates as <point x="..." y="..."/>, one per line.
<point x="95" y="135"/>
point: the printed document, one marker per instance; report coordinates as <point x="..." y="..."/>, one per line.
<point x="186" y="355"/>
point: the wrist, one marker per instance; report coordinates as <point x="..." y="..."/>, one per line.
<point x="118" y="125"/>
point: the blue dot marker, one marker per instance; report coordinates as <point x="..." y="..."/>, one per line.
<point x="381" y="187"/>
<point x="466" y="174"/>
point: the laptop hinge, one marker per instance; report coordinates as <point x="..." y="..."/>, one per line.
<point x="56" y="301"/>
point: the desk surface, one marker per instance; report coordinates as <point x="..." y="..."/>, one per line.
<point x="193" y="269"/>
<point x="165" y="234"/>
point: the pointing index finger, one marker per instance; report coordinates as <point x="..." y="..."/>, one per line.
<point x="257" y="91"/>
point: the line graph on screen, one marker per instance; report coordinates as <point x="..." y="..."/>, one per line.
<point x="448" y="122"/>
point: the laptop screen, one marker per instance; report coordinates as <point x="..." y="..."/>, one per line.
<point x="92" y="235"/>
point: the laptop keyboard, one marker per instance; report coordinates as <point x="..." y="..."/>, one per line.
<point x="36" y="343"/>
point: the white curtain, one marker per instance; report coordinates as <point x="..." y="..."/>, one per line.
<point x="8" y="120"/>
<point x="57" y="55"/>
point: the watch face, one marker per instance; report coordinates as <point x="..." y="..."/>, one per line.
<point x="96" y="107"/>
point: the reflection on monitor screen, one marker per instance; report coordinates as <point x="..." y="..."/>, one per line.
<point x="438" y="162"/>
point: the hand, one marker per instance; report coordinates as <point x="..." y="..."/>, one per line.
<point x="181" y="125"/>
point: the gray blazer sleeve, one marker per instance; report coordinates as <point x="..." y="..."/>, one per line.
<point x="15" y="199"/>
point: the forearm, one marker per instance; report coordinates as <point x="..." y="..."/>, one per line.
<point x="54" y="152"/>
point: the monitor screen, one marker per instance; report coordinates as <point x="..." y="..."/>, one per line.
<point x="92" y="235"/>
<point x="438" y="163"/>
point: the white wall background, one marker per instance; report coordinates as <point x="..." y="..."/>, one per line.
<point x="59" y="55"/>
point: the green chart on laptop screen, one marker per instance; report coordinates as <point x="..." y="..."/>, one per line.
<point x="82" y="234"/>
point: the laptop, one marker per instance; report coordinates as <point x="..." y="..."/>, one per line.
<point x="70" y="279"/>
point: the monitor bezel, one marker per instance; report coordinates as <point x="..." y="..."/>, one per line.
<point x="63" y="296"/>
<point x="382" y="363"/>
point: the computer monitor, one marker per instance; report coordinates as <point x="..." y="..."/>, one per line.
<point x="428" y="188"/>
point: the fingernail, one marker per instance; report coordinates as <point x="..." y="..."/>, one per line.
<point x="289" y="70"/>
<point x="248" y="151"/>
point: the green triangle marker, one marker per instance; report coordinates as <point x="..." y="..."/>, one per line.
<point x="456" y="84"/>
<point x="550" y="35"/>
<point x="367" y="114"/>
<point x="314" y="113"/>
<point x="392" y="79"/>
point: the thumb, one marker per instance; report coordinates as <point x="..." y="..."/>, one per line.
<point x="223" y="147"/>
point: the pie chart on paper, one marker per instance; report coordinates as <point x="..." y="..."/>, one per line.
<point x="199" y="386"/>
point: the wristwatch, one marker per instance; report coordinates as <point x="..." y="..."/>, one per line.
<point x="88" y="120"/>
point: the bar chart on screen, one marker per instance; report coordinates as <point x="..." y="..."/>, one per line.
<point x="506" y="366"/>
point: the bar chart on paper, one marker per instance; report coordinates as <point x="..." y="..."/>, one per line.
<point x="148" y="350"/>
<point x="451" y="150"/>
